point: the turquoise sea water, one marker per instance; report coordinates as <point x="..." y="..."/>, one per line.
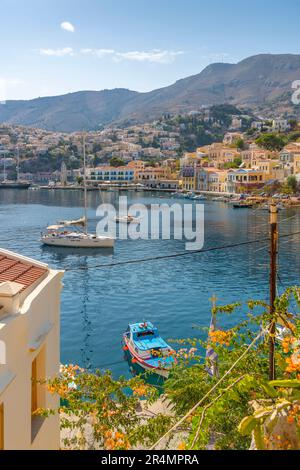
<point x="98" y="304"/>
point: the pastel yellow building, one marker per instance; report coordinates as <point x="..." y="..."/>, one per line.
<point x="251" y="156"/>
<point x="138" y="166"/>
<point x="219" y="154"/>
<point x="296" y="164"/>
<point x="212" y="179"/>
<point x="270" y="168"/>
<point x="153" y="174"/>
<point x="29" y="352"/>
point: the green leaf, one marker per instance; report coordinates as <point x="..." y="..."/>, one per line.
<point x="285" y="383"/>
<point x="247" y="425"/>
<point x="259" y="438"/>
<point x="263" y="413"/>
<point x="269" y="390"/>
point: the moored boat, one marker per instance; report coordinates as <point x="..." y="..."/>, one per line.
<point x="242" y="205"/>
<point x="180" y="195"/>
<point x="199" y="197"/>
<point x="15" y="185"/>
<point x="148" y="349"/>
<point x="127" y="219"/>
<point x="74" y="239"/>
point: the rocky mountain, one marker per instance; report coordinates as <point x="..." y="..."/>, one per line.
<point x="84" y="110"/>
<point x="262" y="83"/>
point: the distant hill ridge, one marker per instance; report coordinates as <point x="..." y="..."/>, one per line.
<point x="262" y="83"/>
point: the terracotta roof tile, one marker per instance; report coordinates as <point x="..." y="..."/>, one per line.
<point x="18" y="271"/>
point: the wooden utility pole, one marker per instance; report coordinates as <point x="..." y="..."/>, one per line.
<point x="273" y="278"/>
<point x="85" y="188"/>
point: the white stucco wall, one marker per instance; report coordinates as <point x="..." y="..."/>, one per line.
<point x="35" y="327"/>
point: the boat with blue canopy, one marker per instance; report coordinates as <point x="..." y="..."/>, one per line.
<point x="148" y="349"/>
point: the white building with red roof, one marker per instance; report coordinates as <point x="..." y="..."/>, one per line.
<point x="29" y="352"/>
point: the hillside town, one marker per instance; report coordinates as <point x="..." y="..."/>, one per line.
<point x="250" y="155"/>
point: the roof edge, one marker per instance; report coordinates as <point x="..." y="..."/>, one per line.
<point x="24" y="259"/>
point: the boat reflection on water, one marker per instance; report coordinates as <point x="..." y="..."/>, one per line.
<point x="150" y="378"/>
<point x="60" y="253"/>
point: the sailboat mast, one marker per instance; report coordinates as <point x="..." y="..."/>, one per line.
<point x="85" y="188"/>
<point x="4" y="166"/>
<point x="18" y="164"/>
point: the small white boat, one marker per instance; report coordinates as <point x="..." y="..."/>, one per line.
<point x="199" y="198"/>
<point x="127" y="219"/>
<point x="180" y="195"/>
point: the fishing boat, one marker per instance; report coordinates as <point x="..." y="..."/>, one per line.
<point x="148" y="349"/>
<point x="60" y="235"/>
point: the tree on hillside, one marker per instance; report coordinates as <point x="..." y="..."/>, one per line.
<point x="294" y="136"/>
<point x="292" y="184"/>
<point x="272" y="142"/>
<point x="240" y="143"/>
<point x="97" y="147"/>
<point x="235" y="164"/>
<point x="115" y="161"/>
<point x="293" y="123"/>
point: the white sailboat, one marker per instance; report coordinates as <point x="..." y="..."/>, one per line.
<point x="61" y="235"/>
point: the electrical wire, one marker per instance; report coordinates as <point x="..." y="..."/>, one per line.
<point x="181" y="254"/>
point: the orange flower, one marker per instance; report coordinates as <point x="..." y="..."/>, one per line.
<point x="221" y="337"/>
<point x="109" y="444"/>
<point x="293" y="363"/>
<point x="51" y="389"/>
<point x="286" y="344"/>
<point x="182" y="446"/>
<point x="291" y="419"/>
<point x="140" y="391"/>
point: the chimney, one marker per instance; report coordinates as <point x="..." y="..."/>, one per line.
<point x="9" y="298"/>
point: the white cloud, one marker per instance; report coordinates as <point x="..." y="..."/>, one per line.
<point x="154" y="56"/>
<point x="157" y="56"/>
<point x="65" y="51"/>
<point x="100" y="53"/>
<point x="67" y="26"/>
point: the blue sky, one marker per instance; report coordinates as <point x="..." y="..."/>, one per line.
<point x="136" y="44"/>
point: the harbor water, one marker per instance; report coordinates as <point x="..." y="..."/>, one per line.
<point x="98" y="301"/>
